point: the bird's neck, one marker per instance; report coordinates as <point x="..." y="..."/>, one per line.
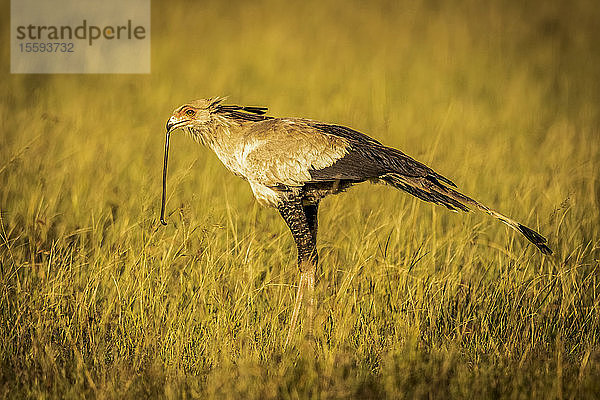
<point x="216" y="133"/>
<point x="223" y="136"/>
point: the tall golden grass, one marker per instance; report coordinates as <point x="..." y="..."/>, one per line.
<point x="99" y="300"/>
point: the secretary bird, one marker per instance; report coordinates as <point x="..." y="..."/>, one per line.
<point x="292" y="163"/>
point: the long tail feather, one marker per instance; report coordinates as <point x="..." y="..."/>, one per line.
<point x="430" y="189"/>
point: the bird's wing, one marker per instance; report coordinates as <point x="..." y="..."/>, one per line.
<point x="293" y="151"/>
<point x="367" y="158"/>
<point x="285" y="151"/>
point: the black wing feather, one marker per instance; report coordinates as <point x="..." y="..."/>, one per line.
<point x="353" y="166"/>
<point x="368" y="158"/>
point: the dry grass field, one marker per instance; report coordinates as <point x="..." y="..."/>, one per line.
<point x="98" y="300"/>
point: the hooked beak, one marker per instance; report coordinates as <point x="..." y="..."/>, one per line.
<point x="174" y="123"/>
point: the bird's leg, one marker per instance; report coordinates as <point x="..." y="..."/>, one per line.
<point x="311" y="212"/>
<point x="295" y="217"/>
<point x="299" y="295"/>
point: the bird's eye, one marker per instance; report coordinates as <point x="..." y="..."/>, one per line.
<point x="191" y="113"/>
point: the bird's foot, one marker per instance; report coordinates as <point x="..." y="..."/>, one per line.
<point x="306" y="285"/>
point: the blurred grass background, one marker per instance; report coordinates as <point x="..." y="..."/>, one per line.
<point x="98" y="300"/>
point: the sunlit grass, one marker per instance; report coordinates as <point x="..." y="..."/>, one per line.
<point x="98" y="299"/>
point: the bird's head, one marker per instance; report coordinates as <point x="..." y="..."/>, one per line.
<point x="194" y="115"/>
<point x="193" y="118"/>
